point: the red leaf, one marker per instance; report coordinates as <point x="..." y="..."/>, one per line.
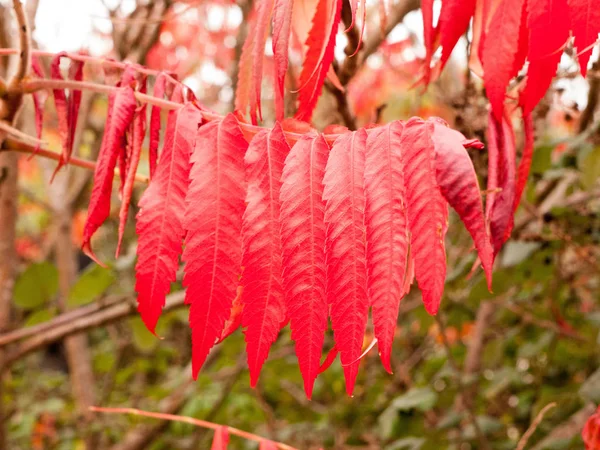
<point x="67" y="110"/>
<point x="159" y="91"/>
<point x="220" y="439"/>
<point x="137" y="133"/>
<point x="387" y="233"/>
<point x="585" y="23"/>
<point x="455" y="16"/>
<point x="427" y="212"/>
<point x="264" y="9"/>
<point x="213" y="221"/>
<point x="526" y="158"/>
<point x="501" y="176"/>
<point x="591" y="431"/>
<point x="160" y="219"/>
<point x="121" y="108"/>
<point x="548" y="23"/>
<point x="329" y="359"/>
<point x="500" y="53"/>
<point x="39" y="99"/>
<point x="458" y="182"/>
<point x="344" y="196"/>
<point x="321" y="44"/>
<point x="429" y="36"/>
<point x="264" y="306"/>
<point x="282" y="20"/>
<point x="303" y="246"/>
<point x="235" y="317"/>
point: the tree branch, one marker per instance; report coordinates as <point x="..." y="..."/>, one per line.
<point x="58" y="328"/>
<point x="24" y="44"/>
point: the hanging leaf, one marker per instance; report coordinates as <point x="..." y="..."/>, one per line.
<point x="212" y="223"/>
<point x="160" y="224"/>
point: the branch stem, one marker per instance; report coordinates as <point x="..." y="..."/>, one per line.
<point x="190" y="420"/>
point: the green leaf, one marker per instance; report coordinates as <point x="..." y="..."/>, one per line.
<point x="422" y="399"/>
<point x="142" y="338"/>
<point x="589" y="164"/>
<point x="40" y="316"/>
<point x="92" y="283"/>
<point x="36" y="286"/>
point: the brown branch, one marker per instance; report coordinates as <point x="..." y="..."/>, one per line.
<point x="191" y="421"/>
<point x="593" y="98"/>
<point x="24" y="44"/>
<point x="536" y="422"/>
<point x="21" y="147"/>
<point x="63" y="328"/>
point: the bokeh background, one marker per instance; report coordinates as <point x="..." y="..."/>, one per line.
<point x="497" y="358"/>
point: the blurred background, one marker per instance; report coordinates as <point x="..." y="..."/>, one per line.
<point x="70" y="336"/>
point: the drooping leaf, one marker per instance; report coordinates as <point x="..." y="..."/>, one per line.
<point x="500" y="52"/>
<point x="455" y="16"/>
<point x="67" y="109"/>
<point x="319" y="55"/>
<point x="264" y="306"/>
<point x="548" y="23"/>
<point x="158" y="91"/>
<point x="121" y="109"/>
<point x="387" y="232"/>
<point x="525" y="162"/>
<point x="427" y="211"/>
<point x="429" y="36"/>
<point x="585" y="23"/>
<point x="220" y="439"/>
<point x="458" y="182"/>
<point x="303" y="246"/>
<point x="235" y="317"/>
<point x="39" y="99"/>
<point x="501" y="177"/>
<point x="137" y="132"/>
<point x="160" y="219"/>
<point x="282" y="19"/>
<point x="213" y="221"/>
<point x="344" y="196"/>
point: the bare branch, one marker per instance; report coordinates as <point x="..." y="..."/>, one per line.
<point x="24" y="44"/>
<point x="536" y="422"/>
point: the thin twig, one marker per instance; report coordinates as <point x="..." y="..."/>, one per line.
<point x="19" y="134"/>
<point x="189" y="420"/>
<point x="536" y="422"/>
<point x="21" y="147"/>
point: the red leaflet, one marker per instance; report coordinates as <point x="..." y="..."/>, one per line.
<point x="39" y="99"/>
<point x="429" y="35"/>
<point x="501" y="176"/>
<point x="458" y="182"/>
<point x="121" y="108"/>
<point x="154" y="138"/>
<point x="303" y="246"/>
<point x="525" y="163"/>
<point x="137" y="132"/>
<point x="213" y="222"/>
<point x="500" y="52"/>
<point x="220" y="439"/>
<point x="591" y="431"/>
<point x="455" y="16"/>
<point x="548" y="23"/>
<point x="160" y="219"/>
<point x="264" y="306"/>
<point x="387" y="232"/>
<point x="264" y="9"/>
<point x="344" y="196"/>
<point x="235" y="317"/>
<point x="585" y="23"/>
<point x="320" y="43"/>
<point x="282" y="20"/>
<point x="329" y="359"/>
<point x="354" y="5"/>
<point x="427" y="211"/>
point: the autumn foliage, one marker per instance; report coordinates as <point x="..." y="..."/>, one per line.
<point x="283" y="224"/>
